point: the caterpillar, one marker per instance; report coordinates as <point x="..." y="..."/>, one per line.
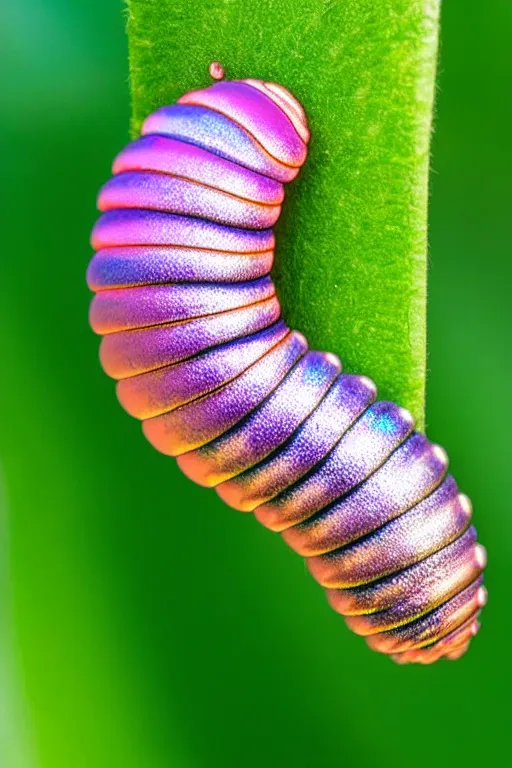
<point x="193" y="334"/>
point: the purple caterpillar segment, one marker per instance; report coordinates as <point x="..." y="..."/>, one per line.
<point x="128" y="353"/>
<point x="418" y="590"/>
<point x="411" y="473"/>
<point x="270" y="425"/>
<point x="138" y="265"/>
<point x="418" y="533"/>
<point x="177" y="158"/>
<point x="192" y="333"/>
<point x="434" y="625"/>
<point x="158" y="192"/>
<point x="376" y="434"/>
<point x="124" y="309"/>
<point x="165" y="389"/>
<point x="421" y="584"/>
<point x="345" y="401"/>
<point x="258" y="113"/>
<point x="202" y="420"/>
<point x="452" y="646"/>
<point x="217" y="134"/>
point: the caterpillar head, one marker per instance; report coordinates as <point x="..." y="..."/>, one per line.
<point x="257" y="124"/>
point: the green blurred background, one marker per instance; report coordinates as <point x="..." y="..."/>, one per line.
<point x="118" y="646"/>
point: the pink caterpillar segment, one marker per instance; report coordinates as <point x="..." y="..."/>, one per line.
<point x="160" y="192"/>
<point x="258" y="113"/>
<point x="192" y="333"/>
<point x="186" y="161"/>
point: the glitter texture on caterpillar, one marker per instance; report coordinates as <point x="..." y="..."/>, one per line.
<point x="192" y="332"/>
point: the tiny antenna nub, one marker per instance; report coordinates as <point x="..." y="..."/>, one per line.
<point x="216" y="70"/>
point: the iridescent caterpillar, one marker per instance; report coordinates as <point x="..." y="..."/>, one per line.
<point x="193" y="334"/>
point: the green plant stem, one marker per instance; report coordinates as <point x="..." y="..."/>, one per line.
<point x="351" y="254"/>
